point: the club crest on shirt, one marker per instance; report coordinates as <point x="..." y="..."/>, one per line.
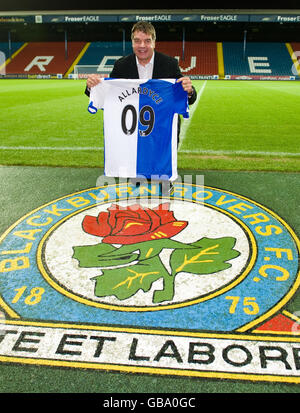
<point x="125" y="267"/>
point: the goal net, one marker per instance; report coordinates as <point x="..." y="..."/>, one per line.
<point x="83" y="71"/>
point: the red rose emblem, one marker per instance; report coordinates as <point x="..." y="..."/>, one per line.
<point x="132" y="224"/>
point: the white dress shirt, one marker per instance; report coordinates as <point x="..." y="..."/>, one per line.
<point x="145" y="72"/>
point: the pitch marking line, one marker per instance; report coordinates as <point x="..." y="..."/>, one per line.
<point x="191" y="151"/>
<point x="226" y="152"/>
<point x="51" y="148"/>
<point x="186" y="122"/>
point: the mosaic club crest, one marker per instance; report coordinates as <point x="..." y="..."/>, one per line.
<point x="122" y="278"/>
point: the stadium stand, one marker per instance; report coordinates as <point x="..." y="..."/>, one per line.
<point x="100" y="56"/>
<point x="45" y="58"/>
<point x="195" y="58"/>
<point x="294" y="51"/>
<point x="296" y="47"/>
<point x="4" y="48"/>
<point x="268" y="59"/>
<point x="200" y="58"/>
<point x="98" y="50"/>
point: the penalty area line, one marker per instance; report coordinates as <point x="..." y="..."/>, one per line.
<point x="183" y="151"/>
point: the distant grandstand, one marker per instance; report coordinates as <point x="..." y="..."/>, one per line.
<point x="190" y="38"/>
<point x="212" y="60"/>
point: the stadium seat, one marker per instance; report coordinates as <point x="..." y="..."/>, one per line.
<point x="4" y="48"/>
<point x="102" y="55"/>
<point x="42" y="58"/>
<point x="267" y="59"/>
<point x="296" y="49"/>
<point x="195" y="58"/>
<point x="200" y="58"/>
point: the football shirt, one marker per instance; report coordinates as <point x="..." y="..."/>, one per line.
<point x="140" y="126"/>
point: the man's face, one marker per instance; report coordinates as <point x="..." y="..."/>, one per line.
<point x="143" y="46"/>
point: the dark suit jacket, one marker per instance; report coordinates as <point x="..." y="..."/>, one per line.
<point x="164" y="67"/>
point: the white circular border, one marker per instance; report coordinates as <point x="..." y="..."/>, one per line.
<point x="204" y="221"/>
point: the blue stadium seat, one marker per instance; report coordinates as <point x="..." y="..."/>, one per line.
<point x="4" y="48"/>
<point x="266" y="59"/>
<point x="104" y="53"/>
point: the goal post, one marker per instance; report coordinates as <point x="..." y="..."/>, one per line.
<point x="83" y="71"/>
<point x="103" y="68"/>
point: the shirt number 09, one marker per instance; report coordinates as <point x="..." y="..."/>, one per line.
<point x="146" y="118"/>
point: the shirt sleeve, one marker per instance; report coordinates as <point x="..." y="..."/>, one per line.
<point x="97" y="97"/>
<point x="180" y="100"/>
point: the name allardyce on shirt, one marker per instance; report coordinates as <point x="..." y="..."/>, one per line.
<point x="141" y="91"/>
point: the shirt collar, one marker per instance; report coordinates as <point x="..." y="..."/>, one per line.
<point x="150" y="62"/>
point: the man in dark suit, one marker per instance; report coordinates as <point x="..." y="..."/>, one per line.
<point x="146" y="63"/>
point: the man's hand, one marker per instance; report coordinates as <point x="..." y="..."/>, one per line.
<point x="93" y="80"/>
<point x="186" y="84"/>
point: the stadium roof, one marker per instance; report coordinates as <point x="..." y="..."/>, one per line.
<point x="153" y="11"/>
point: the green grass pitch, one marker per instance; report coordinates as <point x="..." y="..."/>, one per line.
<point x="234" y="125"/>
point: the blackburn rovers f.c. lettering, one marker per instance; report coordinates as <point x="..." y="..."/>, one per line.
<point x="120" y="277"/>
